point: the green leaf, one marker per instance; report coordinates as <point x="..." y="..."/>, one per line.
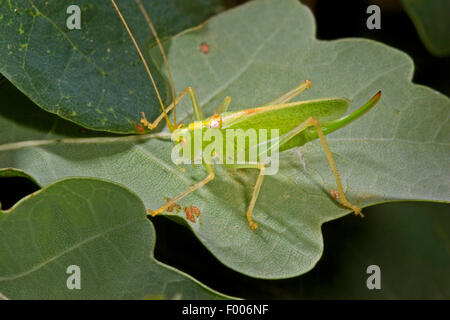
<point x="433" y="26"/>
<point x="92" y="76"/>
<point x="11" y="172"/>
<point x="398" y="151"/>
<point x="95" y="225"/>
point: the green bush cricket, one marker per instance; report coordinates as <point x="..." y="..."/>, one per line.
<point x="297" y="123"/>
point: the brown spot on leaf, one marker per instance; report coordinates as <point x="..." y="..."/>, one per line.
<point x="204" y="47"/>
<point x="189" y="214"/>
<point x="170" y="208"/>
<point x="195" y="211"/>
<point x="334" y="194"/>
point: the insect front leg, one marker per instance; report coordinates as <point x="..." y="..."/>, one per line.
<point x="209" y="168"/>
<point x="195" y="105"/>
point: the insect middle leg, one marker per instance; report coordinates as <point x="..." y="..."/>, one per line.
<point x="253" y="225"/>
<point x="209" y="168"/>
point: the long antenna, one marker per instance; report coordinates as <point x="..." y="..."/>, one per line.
<point x="166" y="63"/>
<point x="144" y="62"/>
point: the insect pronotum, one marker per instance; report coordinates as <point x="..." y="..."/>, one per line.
<point x="296" y="122"/>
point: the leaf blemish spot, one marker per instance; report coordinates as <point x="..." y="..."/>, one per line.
<point x="189" y="214"/>
<point x="334" y="194"/>
<point x="196" y="211"/>
<point x="204" y="48"/>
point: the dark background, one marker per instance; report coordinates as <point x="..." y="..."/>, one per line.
<point x="178" y="247"/>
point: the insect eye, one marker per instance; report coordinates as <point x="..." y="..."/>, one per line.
<point x="214" y="124"/>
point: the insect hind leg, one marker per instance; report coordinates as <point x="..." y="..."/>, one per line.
<point x="313" y="122"/>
